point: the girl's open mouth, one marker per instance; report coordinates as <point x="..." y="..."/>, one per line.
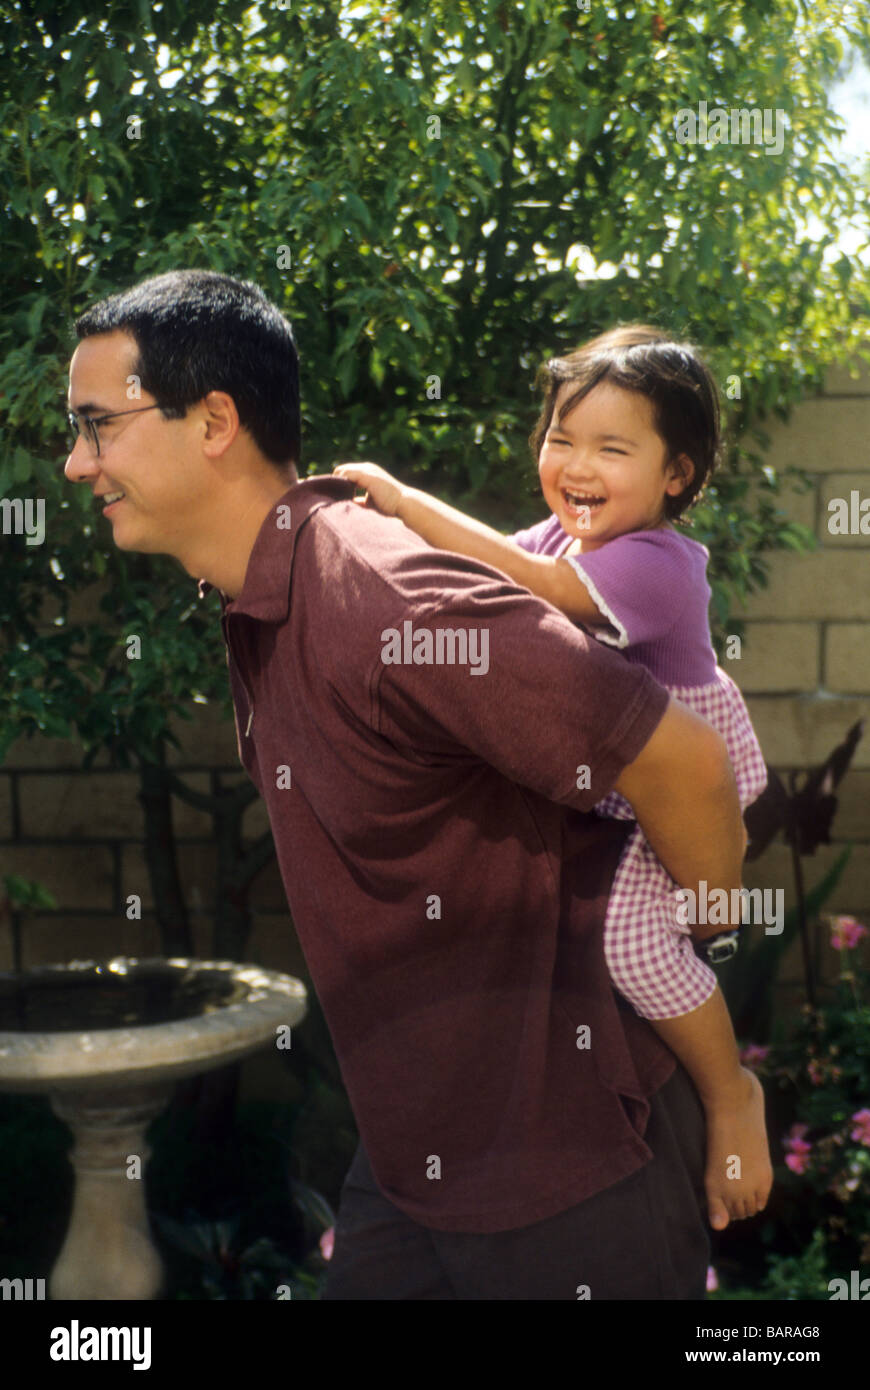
<point x="581" y="505"/>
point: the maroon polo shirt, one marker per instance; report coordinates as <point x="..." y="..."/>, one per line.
<point x="446" y="878"/>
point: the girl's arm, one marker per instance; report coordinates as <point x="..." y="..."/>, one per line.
<point x="551" y="578"/>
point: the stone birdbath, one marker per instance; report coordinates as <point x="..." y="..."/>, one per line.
<point x="106" y="1041"/>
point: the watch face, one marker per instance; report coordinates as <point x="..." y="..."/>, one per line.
<point x="722" y="951"/>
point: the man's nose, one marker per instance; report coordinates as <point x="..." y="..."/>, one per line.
<point x="81" y="466"/>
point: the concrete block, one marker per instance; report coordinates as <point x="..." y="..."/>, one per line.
<point x="81" y="877"/>
<point x="80" y="805"/>
<point x="797" y="503"/>
<point x="50" y="754"/>
<point x="851" y="379"/>
<point x="774" y="871"/>
<point x="50" y="940"/>
<point x="825" y="584"/>
<point x="777" y="657"/>
<point x="839" y="488"/>
<point x="5" y="806"/>
<point x="197" y="866"/>
<point x="852" y="819"/>
<point x="800" y="731"/>
<point x="268" y="893"/>
<point x="256" y="821"/>
<point x="847" y="658"/>
<point x="97" y="804"/>
<point x="821" y="435"/>
<point x="209" y="740"/>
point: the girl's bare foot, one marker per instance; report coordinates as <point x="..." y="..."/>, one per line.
<point x="739" y="1174"/>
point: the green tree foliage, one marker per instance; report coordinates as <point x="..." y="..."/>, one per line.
<point x="432" y="170"/>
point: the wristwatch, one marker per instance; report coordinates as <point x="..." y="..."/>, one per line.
<point x="720" y="947"/>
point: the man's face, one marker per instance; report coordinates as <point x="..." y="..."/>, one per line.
<point x="153" y="461"/>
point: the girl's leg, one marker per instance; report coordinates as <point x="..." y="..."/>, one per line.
<point x="653" y="965"/>
<point x="739" y="1174"/>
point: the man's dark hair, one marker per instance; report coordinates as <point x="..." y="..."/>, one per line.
<point x="672" y="375"/>
<point x="198" y="331"/>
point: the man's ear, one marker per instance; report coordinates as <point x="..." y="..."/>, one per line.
<point x="221" y="420"/>
<point x="681" y="475"/>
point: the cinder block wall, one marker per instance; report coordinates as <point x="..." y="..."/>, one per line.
<point x="805" y="664"/>
<point x="804" y="668"/>
<point x="81" y="835"/>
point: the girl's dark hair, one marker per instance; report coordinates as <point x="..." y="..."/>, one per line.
<point x="672" y="375"/>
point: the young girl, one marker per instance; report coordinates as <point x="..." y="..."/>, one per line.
<point x="627" y="438"/>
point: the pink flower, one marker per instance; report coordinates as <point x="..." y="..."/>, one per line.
<point x="712" y="1281"/>
<point x="797" y="1157"/>
<point x="327" y="1241"/>
<point x="815" y="1073"/>
<point x="753" y="1055"/>
<point x="798" y="1163"/>
<point x="861" y="1132"/>
<point x="846" y="932"/>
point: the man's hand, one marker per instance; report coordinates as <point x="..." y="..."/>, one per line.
<point x="384" y="491"/>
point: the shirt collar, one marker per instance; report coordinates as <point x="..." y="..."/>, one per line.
<point x="266" y="591"/>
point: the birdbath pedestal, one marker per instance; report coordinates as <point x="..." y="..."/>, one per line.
<point x="106" y="1041"/>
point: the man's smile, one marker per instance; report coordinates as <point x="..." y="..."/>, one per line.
<point x="111" y="499"/>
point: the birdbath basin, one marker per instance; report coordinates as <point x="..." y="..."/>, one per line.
<point x="106" y="1041"/>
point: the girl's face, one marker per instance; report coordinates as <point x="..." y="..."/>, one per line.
<point x="603" y="469"/>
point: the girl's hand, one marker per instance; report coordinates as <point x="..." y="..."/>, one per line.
<point x="383" y="490"/>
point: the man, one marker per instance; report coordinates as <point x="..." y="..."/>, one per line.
<point x="429" y="740"/>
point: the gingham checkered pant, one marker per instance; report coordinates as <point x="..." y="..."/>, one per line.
<point x="649" y="953"/>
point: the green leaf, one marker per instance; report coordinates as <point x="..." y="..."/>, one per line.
<point x="22" y="468"/>
<point x="357" y="206"/>
<point x="376" y="367"/>
<point x="488" y="165"/>
<point x="440" y="180"/>
<point x="34" y="315"/>
<point x="448" y="221"/>
<point x="117" y="66"/>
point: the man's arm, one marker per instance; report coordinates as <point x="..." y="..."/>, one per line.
<point x="682" y="789"/>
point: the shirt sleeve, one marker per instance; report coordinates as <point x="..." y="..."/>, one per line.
<point x="542" y="702"/>
<point x="641" y="583"/>
<point x="525" y="539"/>
<point x="541" y="539"/>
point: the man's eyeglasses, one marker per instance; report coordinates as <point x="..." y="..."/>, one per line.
<point x="85" y="426"/>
